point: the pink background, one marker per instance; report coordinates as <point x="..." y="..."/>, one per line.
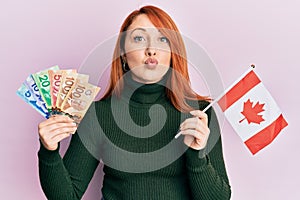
<point x="38" y="34"/>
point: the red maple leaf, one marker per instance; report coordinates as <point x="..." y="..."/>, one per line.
<point x="251" y="112"/>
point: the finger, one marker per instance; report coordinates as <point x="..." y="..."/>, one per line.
<point x="60" y="131"/>
<point x="195" y="139"/>
<point x="188" y="140"/>
<point x="190" y="121"/>
<point x="61" y="125"/>
<point x="55" y="119"/>
<point x="194" y="123"/>
<point x="199" y="114"/>
<point x="60" y="137"/>
<point x="53" y="134"/>
<point x="194" y="144"/>
<point x="194" y="133"/>
<point x="52" y="127"/>
<point x="48" y="133"/>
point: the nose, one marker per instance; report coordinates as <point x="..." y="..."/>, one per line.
<point x="150" y="51"/>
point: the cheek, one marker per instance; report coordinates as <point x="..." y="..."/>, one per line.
<point x="134" y="57"/>
<point x="166" y="58"/>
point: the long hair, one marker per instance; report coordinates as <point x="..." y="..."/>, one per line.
<point x="178" y="88"/>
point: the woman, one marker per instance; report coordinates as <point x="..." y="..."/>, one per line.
<point x="148" y="100"/>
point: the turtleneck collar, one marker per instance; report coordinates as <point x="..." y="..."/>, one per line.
<point x="144" y="93"/>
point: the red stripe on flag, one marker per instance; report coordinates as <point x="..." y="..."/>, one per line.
<point x="239" y="90"/>
<point x="266" y="136"/>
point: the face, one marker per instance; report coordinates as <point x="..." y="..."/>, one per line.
<point x="147" y="51"/>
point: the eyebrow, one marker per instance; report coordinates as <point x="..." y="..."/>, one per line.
<point x="136" y="29"/>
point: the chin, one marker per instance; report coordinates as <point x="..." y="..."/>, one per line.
<point x="150" y="81"/>
<point x="147" y="77"/>
<point x="146" y="80"/>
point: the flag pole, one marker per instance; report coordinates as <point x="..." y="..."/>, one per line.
<point x="252" y="66"/>
<point x="223" y="93"/>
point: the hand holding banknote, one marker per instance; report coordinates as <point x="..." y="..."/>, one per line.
<point x="55" y="129"/>
<point x="61" y="96"/>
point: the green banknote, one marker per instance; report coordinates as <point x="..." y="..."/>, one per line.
<point x="43" y="82"/>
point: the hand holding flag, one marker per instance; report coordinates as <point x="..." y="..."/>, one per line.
<point x="195" y="130"/>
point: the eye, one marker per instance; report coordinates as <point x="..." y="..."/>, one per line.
<point x="138" y="38"/>
<point x="164" y="39"/>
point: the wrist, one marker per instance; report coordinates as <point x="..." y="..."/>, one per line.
<point x="48" y="155"/>
<point x="196" y="157"/>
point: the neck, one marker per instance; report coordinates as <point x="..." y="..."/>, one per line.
<point x="144" y="93"/>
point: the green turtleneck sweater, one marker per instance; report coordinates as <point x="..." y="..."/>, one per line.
<point x="134" y="137"/>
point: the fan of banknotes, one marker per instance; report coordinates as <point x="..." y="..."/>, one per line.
<point x="54" y="91"/>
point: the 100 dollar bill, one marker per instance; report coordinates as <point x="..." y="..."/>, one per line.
<point x="79" y="100"/>
<point x="56" y="78"/>
<point x="68" y="80"/>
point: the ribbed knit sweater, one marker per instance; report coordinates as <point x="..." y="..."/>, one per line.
<point x="142" y="160"/>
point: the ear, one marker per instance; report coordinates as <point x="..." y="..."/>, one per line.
<point x="123" y="57"/>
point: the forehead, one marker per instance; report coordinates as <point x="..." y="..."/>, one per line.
<point x="141" y="21"/>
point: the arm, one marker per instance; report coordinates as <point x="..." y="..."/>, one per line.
<point x="67" y="178"/>
<point x="206" y="171"/>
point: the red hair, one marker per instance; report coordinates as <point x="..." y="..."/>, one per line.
<point x="178" y="84"/>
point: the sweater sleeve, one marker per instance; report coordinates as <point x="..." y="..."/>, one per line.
<point x="206" y="171"/>
<point x="67" y="178"/>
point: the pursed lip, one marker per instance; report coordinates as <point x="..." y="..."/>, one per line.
<point x="151" y="61"/>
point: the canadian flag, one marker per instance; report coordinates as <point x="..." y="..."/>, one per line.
<point x="252" y="112"/>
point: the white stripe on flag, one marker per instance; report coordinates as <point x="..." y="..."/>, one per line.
<point x="257" y="94"/>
